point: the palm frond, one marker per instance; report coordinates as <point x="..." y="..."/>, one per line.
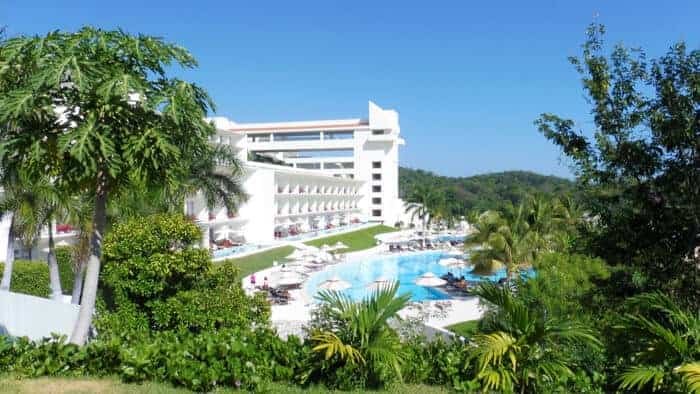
<point x="640" y="376"/>
<point x="690" y="374"/>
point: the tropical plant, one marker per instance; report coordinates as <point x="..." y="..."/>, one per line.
<point x="664" y="340"/>
<point x="638" y="169"/>
<point x="94" y="110"/>
<point x="218" y="177"/>
<point x="33" y="205"/>
<point x="355" y="337"/>
<point x="524" y="349"/>
<point x="421" y="204"/>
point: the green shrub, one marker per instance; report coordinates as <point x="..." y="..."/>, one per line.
<point x="201" y="362"/>
<point x="154" y="278"/>
<point x="30" y="277"/>
<point x="64" y="257"/>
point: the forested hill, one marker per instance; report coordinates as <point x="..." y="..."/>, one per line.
<point x="488" y="191"/>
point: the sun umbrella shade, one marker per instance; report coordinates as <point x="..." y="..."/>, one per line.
<point x="340" y="245"/>
<point x="224" y="233"/>
<point x="334" y="283"/>
<point x="290" y="278"/>
<point x="452" y="262"/>
<point x="429" y="279"/>
<point x="379" y="283"/>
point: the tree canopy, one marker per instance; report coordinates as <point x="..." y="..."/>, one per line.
<point x="641" y="167"/>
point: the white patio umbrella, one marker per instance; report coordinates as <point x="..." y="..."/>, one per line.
<point x="224" y="233"/>
<point x="299" y="254"/>
<point x="335" y="283"/>
<point x="452" y="262"/>
<point x="429" y="279"/>
<point x="379" y="283"/>
<point x="290" y="278"/>
<point x="340" y="245"/>
<point x="58" y="244"/>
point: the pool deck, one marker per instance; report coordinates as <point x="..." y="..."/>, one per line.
<point x="290" y="319"/>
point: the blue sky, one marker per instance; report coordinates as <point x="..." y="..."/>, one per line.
<point x="467" y="77"/>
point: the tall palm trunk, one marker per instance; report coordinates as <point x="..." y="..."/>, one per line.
<point x="10" y="258"/>
<point x="87" y="306"/>
<point x="54" y="275"/>
<point x="82" y="250"/>
<point x="78" y="283"/>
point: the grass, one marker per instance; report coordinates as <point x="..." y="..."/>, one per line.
<point x="465" y="328"/>
<point x="114" y="386"/>
<point x="260" y="261"/>
<point x="355" y="240"/>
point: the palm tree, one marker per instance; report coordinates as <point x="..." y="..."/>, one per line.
<point x="358" y="333"/>
<point x="35" y="205"/>
<point x="522" y="349"/>
<point x="666" y="345"/>
<point x="499" y="241"/>
<point x="422" y="204"/>
<point x="122" y="117"/>
<point x="218" y="176"/>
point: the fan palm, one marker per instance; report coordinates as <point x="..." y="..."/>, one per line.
<point x="217" y="176"/>
<point x="522" y="348"/>
<point x="359" y="332"/>
<point x="35" y="205"/>
<point x="666" y="343"/>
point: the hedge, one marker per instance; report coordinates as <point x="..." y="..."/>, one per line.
<point x="32" y="277"/>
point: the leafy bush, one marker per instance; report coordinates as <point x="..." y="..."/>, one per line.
<point x="352" y="342"/>
<point x="64" y="257"/>
<point x="201" y="362"/>
<point x="155" y="278"/>
<point x="30" y="277"/>
<point x="565" y="285"/>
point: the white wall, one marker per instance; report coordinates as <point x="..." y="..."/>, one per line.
<point x="4" y="234"/>
<point x="258" y="213"/>
<point x="35" y="317"/>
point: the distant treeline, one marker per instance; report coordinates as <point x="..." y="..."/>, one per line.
<point x="488" y="191"/>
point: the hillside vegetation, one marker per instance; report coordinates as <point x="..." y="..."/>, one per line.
<point x="488" y="191"/>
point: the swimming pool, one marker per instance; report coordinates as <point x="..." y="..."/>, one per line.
<point x="404" y="268"/>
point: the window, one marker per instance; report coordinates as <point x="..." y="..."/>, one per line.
<point x="309" y="166"/>
<point x="376" y="189"/>
<point x="338" y="135"/>
<point x="376" y="212"/>
<point x="376" y="200"/>
<point x="318" y="153"/>
<point x="259" y="137"/>
<point x="307" y="136"/>
<point x="339" y="166"/>
<point x="377" y="132"/>
<point x="376" y="164"/>
<point x="376" y="177"/>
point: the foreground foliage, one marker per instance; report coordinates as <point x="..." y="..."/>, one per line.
<point x="155" y="279"/>
<point x="523" y="348"/>
<point x="663" y="341"/>
<point x="354" y="345"/>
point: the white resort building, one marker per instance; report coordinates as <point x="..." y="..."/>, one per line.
<point x="303" y="179"/>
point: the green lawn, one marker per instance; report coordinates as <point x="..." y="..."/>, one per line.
<point x="465" y="328"/>
<point x="356" y="240"/>
<point x="114" y="386"/>
<point x="260" y="261"/>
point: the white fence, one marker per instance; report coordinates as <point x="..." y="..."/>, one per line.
<point x="23" y="315"/>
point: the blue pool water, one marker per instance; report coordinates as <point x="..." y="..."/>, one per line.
<point x="404" y="268"/>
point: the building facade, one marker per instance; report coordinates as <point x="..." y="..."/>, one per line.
<point x="301" y="177"/>
<point x="309" y="176"/>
